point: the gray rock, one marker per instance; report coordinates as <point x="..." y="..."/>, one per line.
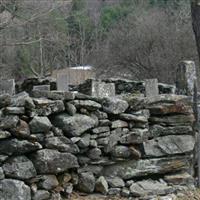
<point x="11" y="189"/>
<point x="41" y="195"/>
<point x="22" y="100"/>
<point x="105" y="122"/>
<point x="9" y="122"/>
<point x="4" y="134"/>
<point x="74" y="125"/>
<point x="120" y="151"/>
<point x="48" y="182"/>
<point x="40" y="125"/>
<point x="5" y="100"/>
<point x="114" y="191"/>
<point x="62" y="144"/>
<point x="48" y="161"/>
<point x="119" y="124"/>
<point x="46" y="107"/>
<point x="103" y="141"/>
<point x="174" y="120"/>
<point x="19" y="168"/>
<point x="101" y="115"/>
<point x="135" y="118"/>
<point x="70" y="108"/>
<point x="150" y="187"/>
<point x="84" y="141"/>
<point x="95" y="169"/>
<point x="3" y="158"/>
<point x="136" y="168"/>
<point x="2" y="176"/>
<point x="55" y="196"/>
<point x="14" y="110"/>
<point x="135" y="136"/>
<point x="102" y="129"/>
<point x="22" y="130"/>
<point x="101" y="185"/>
<point x="114" y="105"/>
<point x="94" y="153"/>
<point x="182" y="178"/>
<point x="86" y="182"/>
<point x="93" y="143"/>
<point x="18" y="147"/>
<point x="125" y="192"/>
<point x="115" y="182"/>
<point x="88" y="104"/>
<point x="169" y="145"/>
<point x="157" y="130"/>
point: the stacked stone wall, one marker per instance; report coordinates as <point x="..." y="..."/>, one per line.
<point x="53" y="143"/>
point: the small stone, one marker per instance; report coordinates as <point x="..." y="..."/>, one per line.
<point x="84" y="141"/>
<point x="86" y="182"/>
<point x="48" y="182"/>
<point x="87" y="104"/>
<point x="114" y="191"/>
<point x="64" y="178"/>
<point x="4" y="134"/>
<point x="93" y="143"/>
<point x="2" y="176"/>
<point x="125" y="192"/>
<point x="119" y="124"/>
<point x="101" y="130"/>
<point x="14" y="110"/>
<point x="94" y="153"/>
<point x="101" y="185"/>
<point x="115" y="182"/>
<point x="41" y="195"/>
<point x="40" y="125"/>
<point x="22" y="130"/>
<point x="70" y="108"/>
<point x="114" y="105"/>
<point x="105" y="122"/>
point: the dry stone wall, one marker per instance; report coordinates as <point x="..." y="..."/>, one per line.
<point x="52" y="143"/>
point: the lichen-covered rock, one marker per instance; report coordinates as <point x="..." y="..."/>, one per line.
<point x="84" y="141"/>
<point x="18" y="147"/>
<point x="136" y="168"/>
<point x="62" y="144"/>
<point x="86" y="182"/>
<point x="19" y="168"/>
<point x="11" y="189"/>
<point x="135" y="118"/>
<point x="169" y="145"/>
<point x="101" y="185"/>
<point x="121" y="151"/>
<point x="114" y="105"/>
<point x="40" y="125"/>
<point x="101" y="129"/>
<point x="49" y="161"/>
<point x="73" y="125"/>
<point x="70" y="108"/>
<point x="119" y="124"/>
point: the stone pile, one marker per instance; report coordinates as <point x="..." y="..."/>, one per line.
<point x="123" y="86"/>
<point x="55" y="142"/>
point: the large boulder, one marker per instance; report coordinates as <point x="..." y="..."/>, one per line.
<point x="40" y="125"/>
<point x="18" y="147"/>
<point x="19" y="168"/>
<point x="137" y="168"/>
<point x="11" y="189"/>
<point x="49" y="161"/>
<point x="73" y="125"/>
<point x="169" y="145"/>
<point x="114" y="105"/>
